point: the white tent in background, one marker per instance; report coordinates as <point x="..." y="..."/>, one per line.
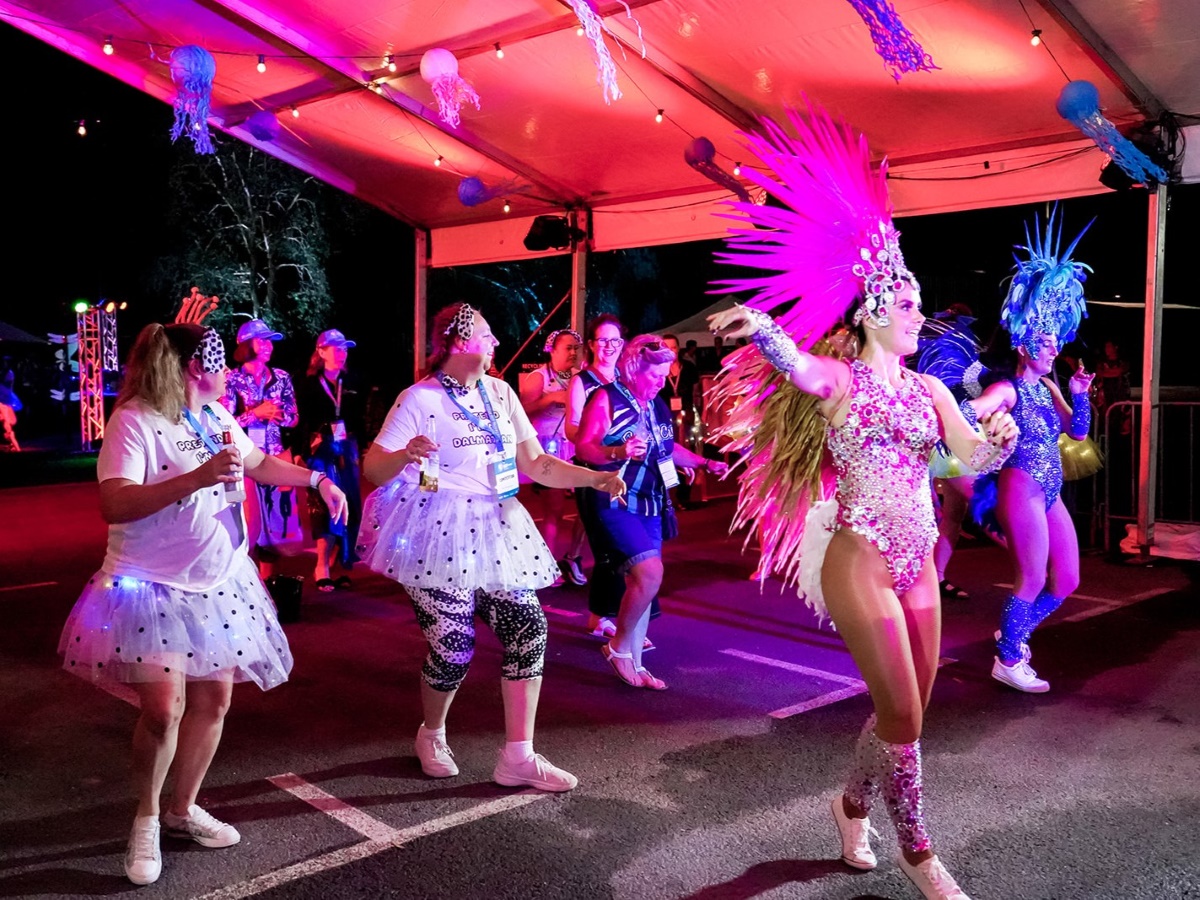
<point x="695" y="327"/>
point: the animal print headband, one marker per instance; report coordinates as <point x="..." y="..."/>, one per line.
<point x="554" y="337"/>
<point x="463" y="322"/>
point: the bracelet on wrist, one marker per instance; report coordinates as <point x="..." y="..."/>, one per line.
<point x="315" y="479"/>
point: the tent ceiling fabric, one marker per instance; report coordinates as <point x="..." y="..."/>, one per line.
<point x="545" y="138"/>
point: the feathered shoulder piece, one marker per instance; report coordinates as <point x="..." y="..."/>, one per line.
<point x="825" y="237"/>
<point x="949" y="351"/>
<point x="1046" y="293"/>
<point x="779" y="437"/>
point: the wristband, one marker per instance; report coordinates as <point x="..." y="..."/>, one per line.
<point x="989" y="457"/>
<point x="314" y="480"/>
<point x="1081" y="414"/>
<point x="773" y="342"/>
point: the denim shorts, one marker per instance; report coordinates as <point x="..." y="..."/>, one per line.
<point x="628" y="538"/>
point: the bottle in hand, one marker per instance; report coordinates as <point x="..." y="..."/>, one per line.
<point x="235" y="491"/>
<point x="431" y="464"/>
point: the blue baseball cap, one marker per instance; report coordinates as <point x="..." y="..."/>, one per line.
<point x="257" y="328"/>
<point x="334" y="338"/>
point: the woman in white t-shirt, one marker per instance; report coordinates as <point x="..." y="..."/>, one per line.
<point x="447" y="526"/>
<point x="544" y="399"/>
<point x="177" y="610"/>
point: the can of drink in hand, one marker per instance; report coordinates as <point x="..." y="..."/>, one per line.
<point x="235" y="491"/>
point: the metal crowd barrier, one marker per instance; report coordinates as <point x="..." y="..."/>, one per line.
<point x="1177" y="487"/>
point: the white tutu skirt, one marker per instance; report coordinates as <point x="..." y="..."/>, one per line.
<point x="819" y="527"/>
<point x="451" y="539"/>
<point x="126" y="629"/>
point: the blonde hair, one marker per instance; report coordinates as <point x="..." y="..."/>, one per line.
<point x="641" y="352"/>
<point x="154" y="372"/>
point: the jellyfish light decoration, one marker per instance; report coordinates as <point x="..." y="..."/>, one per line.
<point x="193" y="70"/>
<point x="1079" y="104"/>
<point x="893" y="42"/>
<point x="473" y="192"/>
<point x="263" y="126"/>
<point x="595" y="29"/>
<point x="439" y="68"/>
<point x="699" y="154"/>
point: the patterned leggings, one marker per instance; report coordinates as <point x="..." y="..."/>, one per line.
<point x="447" y="619"/>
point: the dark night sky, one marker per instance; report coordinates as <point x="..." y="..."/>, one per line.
<point x="85" y="219"/>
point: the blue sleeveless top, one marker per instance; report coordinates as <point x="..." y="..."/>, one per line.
<point x="646" y="494"/>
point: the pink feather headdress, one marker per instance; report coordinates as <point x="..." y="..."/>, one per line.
<point x="829" y="241"/>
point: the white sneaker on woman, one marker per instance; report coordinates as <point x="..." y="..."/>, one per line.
<point x="143" y="858"/>
<point x="856" y="838"/>
<point x="932" y="879"/>
<point x="1019" y="675"/>
<point x="202" y="827"/>
<point x="437" y="759"/>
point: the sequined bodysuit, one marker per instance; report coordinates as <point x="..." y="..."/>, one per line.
<point x="880" y="454"/>
<point x="1037" y="452"/>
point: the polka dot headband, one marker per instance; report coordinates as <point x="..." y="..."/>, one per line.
<point x="463" y="323"/>
<point x="554" y="337"/>
<point x="200" y="343"/>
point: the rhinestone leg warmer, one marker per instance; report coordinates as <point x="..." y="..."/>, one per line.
<point x="862" y="787"/>
<point x="1016" y="624"/>
<point x="901" y="783"/>
<point x="1045" y="604"/>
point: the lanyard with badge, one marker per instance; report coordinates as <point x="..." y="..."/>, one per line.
<point x="235" y="491"/>
<point x="502" y="472"/>
<point x="337" y="426"/>
<point x="666" y="465"/>
<point x="676" y="399"/>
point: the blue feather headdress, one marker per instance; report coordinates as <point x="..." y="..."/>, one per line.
<point x="1046" y="293"/>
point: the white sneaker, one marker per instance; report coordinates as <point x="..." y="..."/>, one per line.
<point x="1026" y="653"/>
<point x="932" y="879"/>
<point x="1019" y="675"/>
<point x="437" y="759"/>
<point x="537" y="772"/>
<point x="856" y="838"/>
<point x="199" y="826"/>
<point x="143" y="858"/>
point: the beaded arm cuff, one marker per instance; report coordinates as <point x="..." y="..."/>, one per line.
<point x="1081" y="414"/>
<point x="989" y="458"/>
<point x="968" y="411"/>
<point x="773" y="342"/>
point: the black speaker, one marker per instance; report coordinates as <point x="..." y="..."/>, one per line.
<point x="1114" y="178"/>
<point x="285" y="590"/>
<point x="552" y="233"/>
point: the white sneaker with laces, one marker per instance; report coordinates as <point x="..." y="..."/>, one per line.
<point x="932" y="879"/>
<point x="536" y="771"/>
<point x="1026" y="653"/>
<point x="856" y="838"/>
<point x="143" y="858"/>
<point x="202" y="827"/>
<point x="437" y="759"/>
<point x="1019" y="675"/>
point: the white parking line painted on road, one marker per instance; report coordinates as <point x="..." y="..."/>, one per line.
<point x="794" y="667"/>
<point x="1111" y="606"/>
<point x="366" y="825"/>
<point x="817" y="702"/>
<point x="25" y="587"/>
<point x="366" y="849"/>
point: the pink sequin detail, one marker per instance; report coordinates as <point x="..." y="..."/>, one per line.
<point x="881" y="456"/>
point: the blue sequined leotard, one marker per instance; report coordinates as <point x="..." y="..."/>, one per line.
<point x="1037" y="451"/>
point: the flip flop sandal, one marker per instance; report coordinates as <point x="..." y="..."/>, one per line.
<point x="649" y="682"/>
<point x="606" y="629"/>
<point x="952" y="592"/>
<point x="326" y="585"/>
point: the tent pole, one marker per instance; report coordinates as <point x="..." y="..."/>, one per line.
<point x="581" y="219"/>
<point x="420" y="300"/>
<point x="1148" y="437"/>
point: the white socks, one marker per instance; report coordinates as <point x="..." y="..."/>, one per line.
<point x="518" y="751"/>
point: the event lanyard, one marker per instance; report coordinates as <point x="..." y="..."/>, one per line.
<point x="675" y="382"/>
<point x="213" y="446"/>
<point x="493" y="428"/>
<point x="653" y="425"/>
<point x="337" y="402"/>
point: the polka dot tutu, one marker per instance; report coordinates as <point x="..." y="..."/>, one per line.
<point x="452" y="539"/>
<point x="126" y="629"/>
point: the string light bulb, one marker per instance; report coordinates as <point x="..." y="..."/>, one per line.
<point x="507" y="207"/>
<point x="389" y="62"/>
<point x="438" y="162"/>
<point x="499" y="51"/>
<point x="108" y="46"/>
<point x="659" y="117"/>
<point x="579" y="31"/>
<point x="82" y="129"/>
<point x="295" y="112"/>
<point x="262" y="63"/>
<point x="1036" y="37"/>
<point x="737" y="169"/>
